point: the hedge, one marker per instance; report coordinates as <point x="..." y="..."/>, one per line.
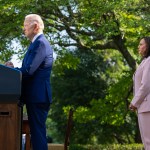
<point x="107" y="147"/>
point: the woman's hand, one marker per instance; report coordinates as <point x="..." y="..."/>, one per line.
<point x="132" y="107"/>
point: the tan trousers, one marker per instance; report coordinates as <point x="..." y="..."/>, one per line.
<point x="144" y="125"/>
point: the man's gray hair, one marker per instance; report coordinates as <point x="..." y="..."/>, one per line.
<point x="34" y="18"/>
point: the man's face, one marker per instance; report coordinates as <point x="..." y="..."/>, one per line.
<point x="28" y="29"/>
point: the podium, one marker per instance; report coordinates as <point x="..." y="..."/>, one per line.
<point x="10" y="112"/>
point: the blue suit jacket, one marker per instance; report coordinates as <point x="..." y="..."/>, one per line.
<point x="36" y="70"/>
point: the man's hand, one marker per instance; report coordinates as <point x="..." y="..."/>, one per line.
<point x="9" y="64"/>
<point x="132" y="108"/>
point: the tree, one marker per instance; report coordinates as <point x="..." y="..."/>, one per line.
<point x="110" y="29"/>
<point x="77" y="85"/>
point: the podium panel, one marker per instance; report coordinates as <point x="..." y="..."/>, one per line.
<point x="10" y="127"/>
<point x="10" y="112"/>
<point x="10" y="85"/>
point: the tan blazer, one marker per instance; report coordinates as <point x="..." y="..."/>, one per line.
<point x="141" y="87"/>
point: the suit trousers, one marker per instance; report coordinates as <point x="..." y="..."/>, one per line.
<point x="144" y="125"/>
<point x="37" y="115"/>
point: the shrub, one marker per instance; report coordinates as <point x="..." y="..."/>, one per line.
<point x="107" y="147"/>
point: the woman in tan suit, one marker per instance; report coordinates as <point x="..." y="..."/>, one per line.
<point x="141" y="99"/>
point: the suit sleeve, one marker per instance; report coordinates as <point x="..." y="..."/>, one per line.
<point x="144" y="89"/>
<point x="35" y="58"/>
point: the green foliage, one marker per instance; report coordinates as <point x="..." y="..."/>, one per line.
<point x="107" y="147"/>
<point x="73" y="85"/>
<point x="96" y="46"/>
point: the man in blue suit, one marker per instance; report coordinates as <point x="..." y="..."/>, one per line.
<point x="36" y="89"/>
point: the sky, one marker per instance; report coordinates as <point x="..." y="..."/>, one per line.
<point x="15" y="61"/>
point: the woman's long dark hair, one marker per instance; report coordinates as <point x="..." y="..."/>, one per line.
<point x="147" y="41"/>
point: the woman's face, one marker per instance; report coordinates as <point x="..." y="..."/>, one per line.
<point x="142" y="48"/>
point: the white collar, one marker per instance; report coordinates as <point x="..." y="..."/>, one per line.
<point x="35" y="37"/>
